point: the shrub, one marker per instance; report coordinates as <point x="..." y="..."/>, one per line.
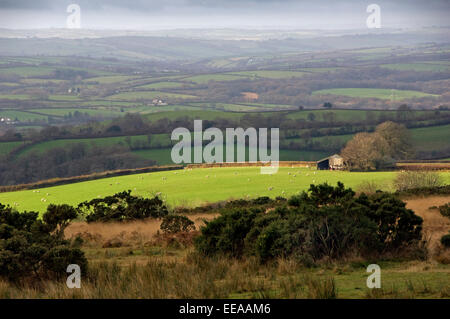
<point x="368" y="187"/>
<point x="226" y="233"/>
<point x="122" y="207"/>
<point x="445" y="240"/>
<point x="417" y="179"/>
<point x="58" y="217"/>
<point x="172" y="224"/>
<point x="34" y="248"/>
<point x="325" y="222"/>
<point x="425" y="191"/>
<point x="445" y="210"/>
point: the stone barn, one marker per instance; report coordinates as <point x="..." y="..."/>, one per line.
<point x="334" y="162"/>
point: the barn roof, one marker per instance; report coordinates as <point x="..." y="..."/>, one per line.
<point x="327" y="158"/>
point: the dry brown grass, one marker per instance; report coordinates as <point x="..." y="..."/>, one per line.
<point x="125" y="233"/>
<point x="434" y="224"/>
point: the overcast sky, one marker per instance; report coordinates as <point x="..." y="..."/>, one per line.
<point x="171" y="14"/>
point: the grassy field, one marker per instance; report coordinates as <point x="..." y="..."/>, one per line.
<point x="431" y="138"/>
<point x="374" y="93"/>
<point x="22" y="116"/>
<point x="111" y="79"/>
<point x="197" y="186"/>
<point x="423" y="139"/>
<point x="164" y="85"/>
<point x="103" y="141"/>
<point x="205" y="78"/>
<point x="270" y="74"/>
<point x="7" y="147"/>
<point x="418" y="67"/>
<point x="66" y="111"/>
<point x="149" y="95"/>
<point x="162" y="156"/>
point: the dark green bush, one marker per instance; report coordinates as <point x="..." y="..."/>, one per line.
<point x="226" y="233"/>
<point x="445" y="240"/>
<point x="445" y="210"/>
<point x="173" y="224"/>
<point x="122" y="207"/>
<point x="326" y="221"/>
<point x="34" y="248"/>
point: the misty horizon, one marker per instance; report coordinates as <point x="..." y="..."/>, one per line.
<point x="246" y="14"/>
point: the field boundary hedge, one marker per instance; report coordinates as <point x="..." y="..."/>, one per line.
<point x="423" y="165"/>
<point x="83" y="178"/>
<point x="253" y="164"/>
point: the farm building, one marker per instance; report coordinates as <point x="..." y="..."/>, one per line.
<point x="333" y="162"/>
<point x="158" y="102"/>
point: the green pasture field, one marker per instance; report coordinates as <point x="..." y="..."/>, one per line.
<point x="271" y="106"/>
<point x="204" y="114"/>
<point x="57" y="97"/>
<point x="220" y="77"/>
<point x="101" y="142"/>
<point x="163" y="85"/>
<point x="167" y="109"/>
<point x="111" y="79"/>
<point x="66" y="111"/>
<point x="148" y="95"/>
<point x="7" y="147"/>
<point x="15" y="97"/>
<point x="431" y="138"/>
<point x="374" y="93"/>
<point x="423" y="139"/>
<point x="237" y="107"/>
<point x="107" y="103"/>
<point x="418" y="67"/>
<point x="9" y="84"/>
<point x="42" y="70"/>
<point x="353" y="115"/>
<point x="42" y="81"/>
<point x="29" y="71"/>
<point x="162" y="155"/>
<point x="22" y="116"/>
<point x="197" y="186"/>
<point x="270" y="74"/>
<point x="340" y="115"/>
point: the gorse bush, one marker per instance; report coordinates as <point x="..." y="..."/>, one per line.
<point x="445" y="210"/>
<point x="173" y="224"/>
<point x="445" y="240"/>
<point x="325" y="222"/>
<point x="31" y="248"/>
<point x="122" y="207"/>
